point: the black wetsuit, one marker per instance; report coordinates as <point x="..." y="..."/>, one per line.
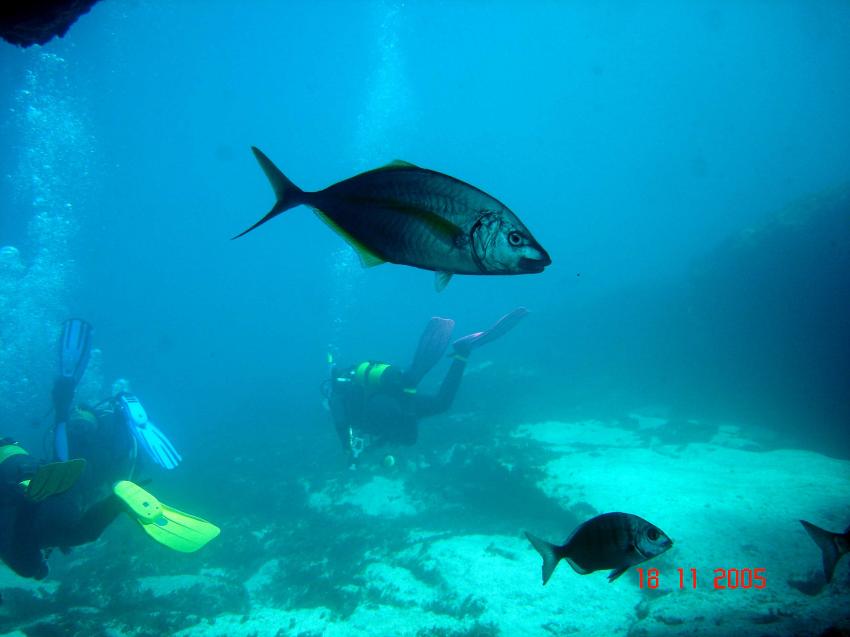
<point x="78" y="516"/>
<point x="388" y="414"/>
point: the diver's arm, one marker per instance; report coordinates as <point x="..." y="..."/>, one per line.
<point x="424" y="406"/>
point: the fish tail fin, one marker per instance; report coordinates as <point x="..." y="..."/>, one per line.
<point x="826" y="542"/>
<point x="549" y="552"/>
<point x="288" y="194"/>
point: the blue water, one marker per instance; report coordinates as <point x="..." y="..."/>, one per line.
<point x="686" y="166"/>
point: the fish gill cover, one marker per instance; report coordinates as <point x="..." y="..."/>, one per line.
<point x="684" y="360"/>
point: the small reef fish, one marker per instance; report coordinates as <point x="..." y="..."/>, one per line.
<point x="404" y="214"/>
<point x="832" y="545"/>
<point x="615" y="541"/>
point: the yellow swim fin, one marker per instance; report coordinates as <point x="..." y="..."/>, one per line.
<point x="53" y="478"/>
<point x="175" y="529"/>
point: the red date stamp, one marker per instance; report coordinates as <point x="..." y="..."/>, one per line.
<point x="724" y="578"/>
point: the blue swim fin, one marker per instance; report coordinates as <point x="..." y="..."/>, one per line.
<point x="148" y="436"/>
<point x="74" y="351"/>
<point x="432" y="344"/>
<point x="464" y="346"/>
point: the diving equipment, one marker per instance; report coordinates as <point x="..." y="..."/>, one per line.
<point x="40" y="481"/>
<point x="464" y="346"/>
<point x="369" y="374"/>
<point x="432" y="344"/>
<point x="9" y="448"/>
<point x="74" y="351"/>
<point x="149" y="437"/>
<point x="175" y="529"/>
<point x="53" y="478"/>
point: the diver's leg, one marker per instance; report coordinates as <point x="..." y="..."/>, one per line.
<point x="432" y="405"/>
<point x="94" y="521"/>
<point x="22" y="551"/>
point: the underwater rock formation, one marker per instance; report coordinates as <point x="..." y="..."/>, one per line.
<point x="756" y="330"/>
<point x="28" y="22"/>
<point x="768" y="316"/>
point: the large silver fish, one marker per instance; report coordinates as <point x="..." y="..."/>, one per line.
<point x="412" y="216"/>
<point x="611" y="540"/>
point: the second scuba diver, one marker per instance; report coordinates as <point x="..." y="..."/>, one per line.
<point x="71" y="501"/>
<point x="375" y="403"/>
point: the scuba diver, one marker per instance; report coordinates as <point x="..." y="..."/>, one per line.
<point x="71" y="501"/>
<point x="375" y="403"/>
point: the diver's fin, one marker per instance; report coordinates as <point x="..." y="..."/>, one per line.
<point x="175" y="529"/>
<point x="826" y="542"/>
<point x="368" y="257"/>
<point x="60" y="442"/>
<point x="159" y="446"/>
<point x="148" y="435"/>
<point x="54" y="478"/>
<point x="288" y="194"/>
<point x="504" y="325"/>
<point x="549" y="552"/>
<point x="432" y="345"/>
<point x="74" y="349"/>
<point x="616" y="573"/>
<point x="442" y="280"/>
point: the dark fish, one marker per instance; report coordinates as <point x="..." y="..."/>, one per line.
<point x="832" y="545"/>
<point x="412" y="216"/>
<point x="611" y="540"/>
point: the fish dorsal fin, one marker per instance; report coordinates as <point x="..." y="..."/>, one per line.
<point x="395" y="164"/>
<point x="442" y="280"/>
<point x="398" y="163"/>
<point x="368" y="257"/>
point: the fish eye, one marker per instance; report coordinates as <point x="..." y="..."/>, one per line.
<point x="652" y="534"/>
<point x="514" y="238"/>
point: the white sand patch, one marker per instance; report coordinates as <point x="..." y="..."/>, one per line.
<point x="499" y="577"/>
<point x="578" y="434"/>
<point x="381" y="497"/>
<point x="732" y="436"/>
<point x="265" y="576"/>
<point x="397" y="585"/>
<point x="645" y="421"/>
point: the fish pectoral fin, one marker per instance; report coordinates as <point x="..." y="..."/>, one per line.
<point x="441" y="227"/>
<point x="616" y="573"/>
<point x="442" y="280"/>
<point x="368" y="257"/>
<point x="578" y="569"/>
